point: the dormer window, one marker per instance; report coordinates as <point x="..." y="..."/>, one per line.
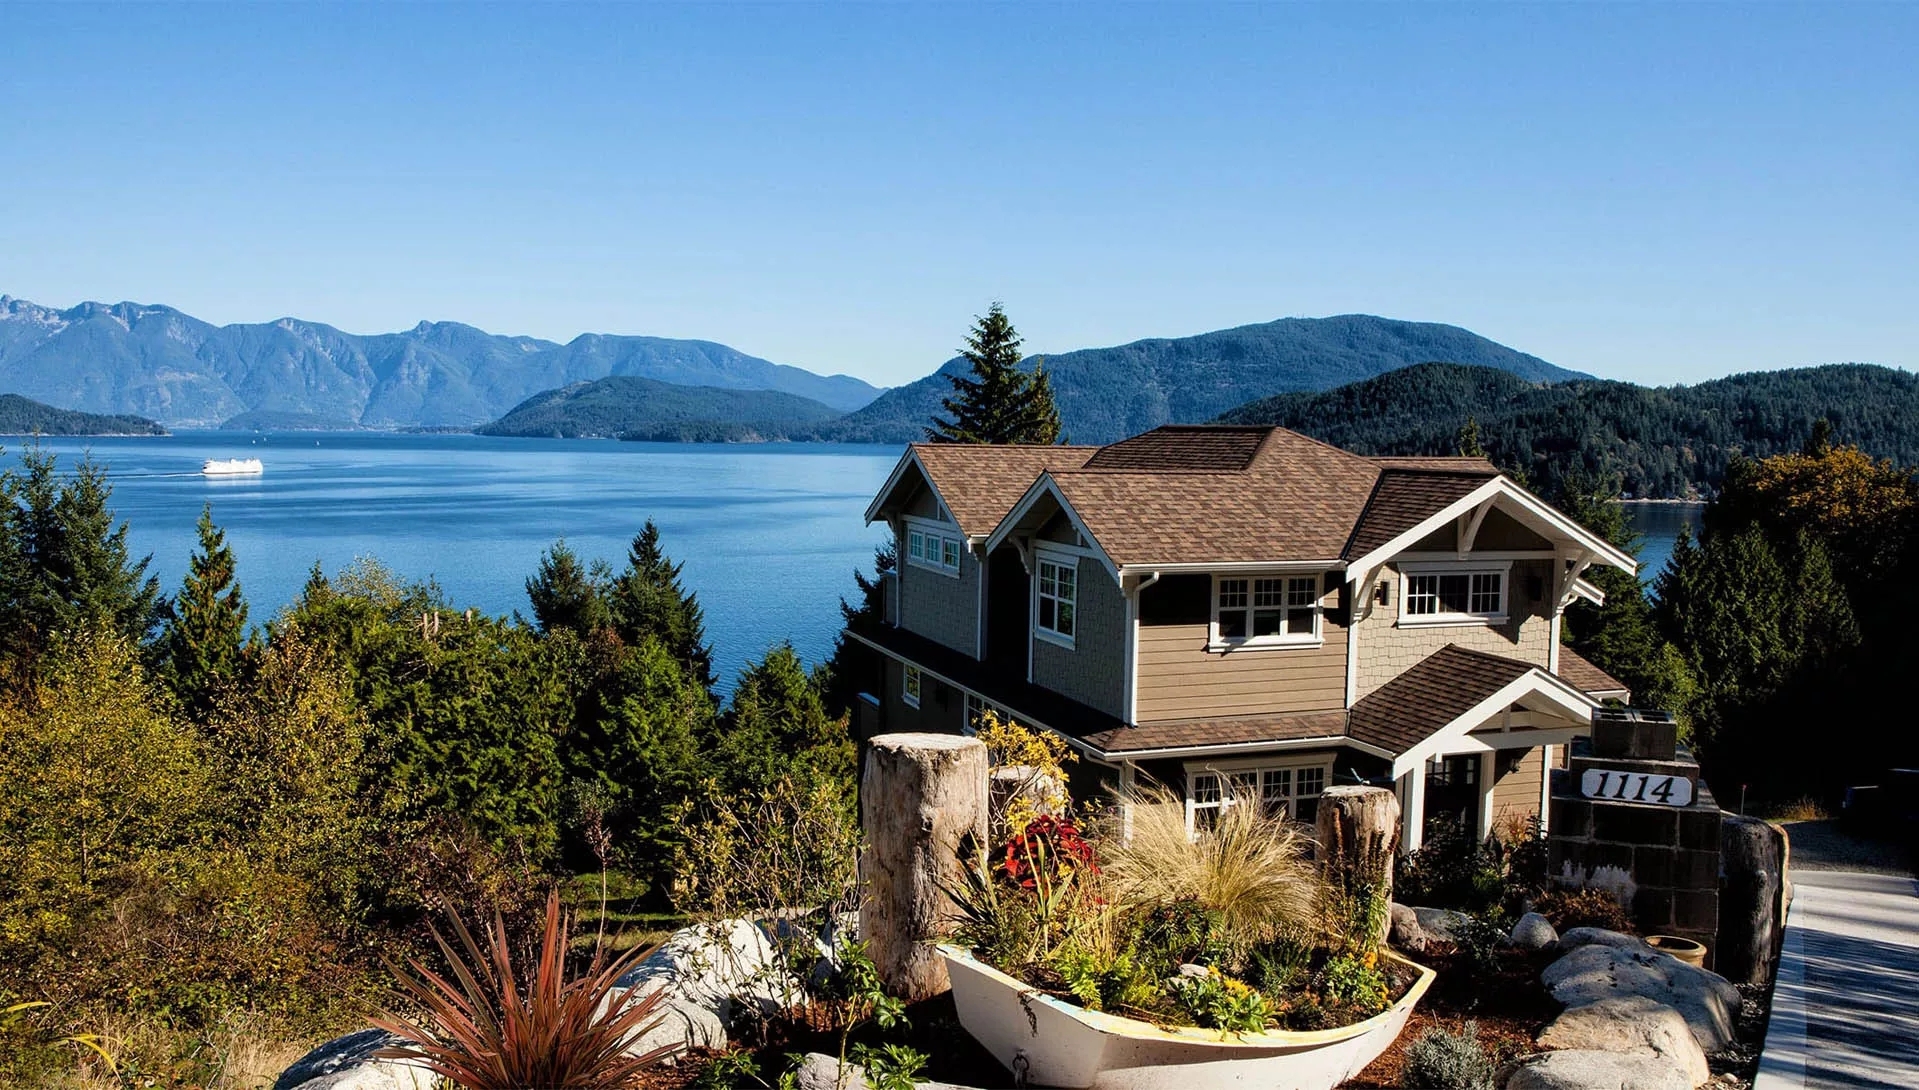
<point x="930" y="547"/>
<point x="1451" y="594"/>
<point x="1266" y="611"/>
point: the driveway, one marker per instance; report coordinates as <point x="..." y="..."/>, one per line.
<point x="1845" y="1011"/>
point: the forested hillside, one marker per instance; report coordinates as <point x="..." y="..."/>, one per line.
<point x="643" y="408"/>
<point x="1109" y="393"/>
<point x="1663" y="442"/>
<point x="25" y="416"/>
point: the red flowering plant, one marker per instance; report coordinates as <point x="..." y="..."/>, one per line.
<point x="1048" y="851"/>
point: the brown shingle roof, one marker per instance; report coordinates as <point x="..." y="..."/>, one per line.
<point x="1175" y="449"/>
<point x="1579" y="672"/>
<point x="1221" y="732"/>
<point x="1437" y="690"/>
<point x="1443" y="464"/>
<point x="981" y="483"/>
<point x="1296" y="499"/>
<point x="1402" y="499"/>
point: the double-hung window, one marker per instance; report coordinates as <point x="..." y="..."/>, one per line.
<point x="1282" y="793"/>
<point x="1056" y="593"/>
<point x="1454" y="596"/>
<point x="1257" y="610"/>
<point x="927" y="547"/>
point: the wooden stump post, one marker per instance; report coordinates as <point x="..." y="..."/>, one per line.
<point x="1358" y="827"/>
<point x="921" y="795"/>
<point x="1752" y="899"/>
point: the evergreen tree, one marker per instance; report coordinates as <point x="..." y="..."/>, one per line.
<point x="203" y="646"/>
<point x="70" y="568"/>
<point x="778" y="719"/>
<point x="566" y="595"/>
<point x="854" y="667"/>
<point x="648" y="600"/>
<point x="1469" y="444"/>
<point x="999" y="402"/>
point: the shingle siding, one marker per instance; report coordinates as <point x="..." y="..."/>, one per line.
<point x="1093" y="670"/>
<point x="1387" y="650"/>
<point x="942" y="708"/>
<point x="938" y="606"/>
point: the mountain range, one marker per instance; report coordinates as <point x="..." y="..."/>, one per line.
<point x="1661" y="442"/>
<point x="24" y="416"/>
<point x="622" y="406"/>
<point x="158" y="362"/>
<point x="1106" y="394"/>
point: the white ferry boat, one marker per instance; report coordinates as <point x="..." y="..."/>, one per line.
<point x="232" y="467"/>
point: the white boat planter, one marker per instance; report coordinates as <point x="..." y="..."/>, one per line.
<point x="1048" y="1042"/>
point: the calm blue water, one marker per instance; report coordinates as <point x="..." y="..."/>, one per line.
<point x="1659" y="524"/>
<point x="770" y="534"/>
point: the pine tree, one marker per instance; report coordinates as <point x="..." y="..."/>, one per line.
<point x="203" y="647"/>
<point x="999" y="402"/>
<point x="853" y="666"/>
<point x="648" y="600"/>
<point x="1469" y="444"/>
<point x="567" y="595"/>
<point x="71" y="570"/>
<point x="779" y="720"/>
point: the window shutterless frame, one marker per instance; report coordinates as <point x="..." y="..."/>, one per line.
<point x="1266" y="611"/>
<point x="1284" y="791"/>
<point x="934" y="546"/>
<point x="1453" y="594"/>
<point x="1056" y="597"/>
<point x="910" y="681"/>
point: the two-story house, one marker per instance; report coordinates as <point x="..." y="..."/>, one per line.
<point x="1244" y="613"/>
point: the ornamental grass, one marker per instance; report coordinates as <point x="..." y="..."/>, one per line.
<point x="488" y="1025"/>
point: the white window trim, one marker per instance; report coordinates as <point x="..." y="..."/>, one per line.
<point x="1269" y="763"/>
<point x="1063" y="559"/>
<point x="1455" y="620"/>
<point x="910" y="679"/>
<point x="1220" y="644"/>
<point x="945" y="533"/>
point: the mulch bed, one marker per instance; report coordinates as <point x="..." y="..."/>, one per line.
<point x="1509" y="1005"/>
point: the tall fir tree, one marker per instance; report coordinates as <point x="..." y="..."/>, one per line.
<point x="647" y="599"/>
<point x="568" y="595"/>
<point x="203" y="647"/>
<point x="999" y="401"/>
<point x="854" y="667"/>
<point x="70" y="569"/>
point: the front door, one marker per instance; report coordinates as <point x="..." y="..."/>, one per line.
<point x="1452" y="794"/>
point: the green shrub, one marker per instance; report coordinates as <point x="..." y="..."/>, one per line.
<point x="1216" y="1001"/>
<point x="1570" y="908"/>
<point x="1441" y="1060"/>
<point x="1355" y="982"/>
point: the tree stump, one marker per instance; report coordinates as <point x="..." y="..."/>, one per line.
<point x="1358" y="828"/>
<point x="921" y="796"/>
<point x="1752" y="895"/>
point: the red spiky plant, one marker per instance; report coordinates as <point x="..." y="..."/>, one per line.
<point x="490" y="1028"/>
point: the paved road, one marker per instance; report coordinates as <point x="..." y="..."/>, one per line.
<point x="1845" y="1011"/>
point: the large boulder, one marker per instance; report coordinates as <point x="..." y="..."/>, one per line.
<point x="1634" y="1025"/>
<point x="1438" y="923"/>
<point x="1596" y="971"/>
<point x="719" y="965"/>
<point x="1599" y="936"/>
<point x="1405" y="932"/>
<point x="1583" y="1069"/>
<point x="1533" y="932"/>
<point x="349" y="1063"/>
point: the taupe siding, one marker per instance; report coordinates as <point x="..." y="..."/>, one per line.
<point x="938" y="606"/>
<point x="1093" y="670"/>
<point x="1386" y="650"/>
<point x="1180" y="679"/>
<point x="1516" y="794"/>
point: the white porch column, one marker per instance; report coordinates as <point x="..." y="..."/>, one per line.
<point x="1545" y="788"/>
<point x="1412" y="822"/>
<point x="1488" y="763"/>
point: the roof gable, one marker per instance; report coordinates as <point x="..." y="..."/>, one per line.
<point x="977" y="484"/>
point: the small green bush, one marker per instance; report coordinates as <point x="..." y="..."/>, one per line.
<point x="1219" y="1002"/>
<point x="1443" y="1060"/>
<point x="1353" y="982"/>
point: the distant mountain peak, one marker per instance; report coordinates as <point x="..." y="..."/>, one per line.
<point x="155" y="361"/>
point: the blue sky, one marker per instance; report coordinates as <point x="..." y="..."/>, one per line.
<point x="1653" y="193"/>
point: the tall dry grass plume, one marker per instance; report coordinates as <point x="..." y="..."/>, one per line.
<point x="1251" y="869"/>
